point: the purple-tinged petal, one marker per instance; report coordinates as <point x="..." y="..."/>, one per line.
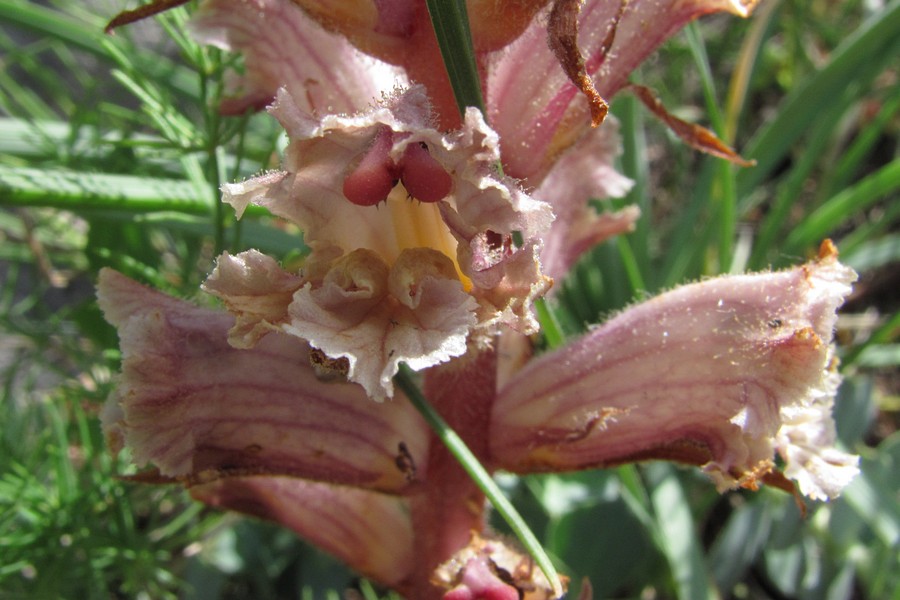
<point x="477" y="580"/>
<point x="198" y="408"/>
<point x="368" y="531"/>
<point x="516" y="281"/>
<point x="539" y="112"/>
<point x="586" y="229"/>
<point x="322" y="153"/>
<point x="708" y="374"/>
<point x="282" y="46"/>
<point x="583" y="172"/>
<point x="401" y="33"/>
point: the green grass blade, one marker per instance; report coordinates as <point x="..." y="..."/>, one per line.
<point x="884" y="334"/>
<point x="677" y="535"/>
<point x="15" y="97"/>
<point x="634" y="165"/>
<point x="873" y="254"/>
<point x="723" y="191"/>
<point x="550" y="326"/>
<point x="880" y="356"/>
<point x="739" y="84"/>
<point x="870" y="230"/>
<point x="89" y="37"/>
<point x="822" y="222"/>
<point x="874" y="45"/>
<point x="850" y="160"/>
<point x="789" y="191"/>
<point x="686" y="260"/>
<point x="451" y="25"/>
<point x="52" y="24"/>
<point x="636" y="281"/>
<point x="738" y="545"/>
<point x="877" y="505"/>
<point x="73" y="190"/>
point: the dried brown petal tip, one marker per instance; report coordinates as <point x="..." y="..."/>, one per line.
<point x="827" y="251"/>
<point x="695" y="136"/>
<point x="562" y="36"/>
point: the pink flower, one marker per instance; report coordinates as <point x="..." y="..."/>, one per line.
<point x="411" y="281"/>
<point x="723" y="374"/>
<point x="423" y="252"/>
<point x="717" y="374"/>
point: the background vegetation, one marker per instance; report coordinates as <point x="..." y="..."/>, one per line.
<point x="111" y="153"/>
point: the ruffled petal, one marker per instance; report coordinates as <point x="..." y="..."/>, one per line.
<point x="424" y="321"/>
<point x="346" y="182"/>
<point x="705" y="374"/>
<point x="256" y="290"/>
<point x="806" y="441"/>
<point x="368" y="531"/>
<point x="510" y="286"/>
<point x="531" y="101"/>
<point x="282" y="46"/>
<point x="198" y="408"/>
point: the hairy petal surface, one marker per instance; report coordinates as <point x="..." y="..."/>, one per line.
<point x="198" y="408"/>
<point x="282" y="46"/>
<point x="369" y="531"/>
<point x="539" y="112"/>
<point x="707" y="374"/>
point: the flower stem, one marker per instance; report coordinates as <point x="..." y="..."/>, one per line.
<point x="479" y="475"/>
<point x="550" y="326"/>
<point x="451" y="26"/>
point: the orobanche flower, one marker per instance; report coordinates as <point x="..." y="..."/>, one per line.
<point x="431" y="235"/>
<point x="411" y="238"/>
<point x="721" y="373"/>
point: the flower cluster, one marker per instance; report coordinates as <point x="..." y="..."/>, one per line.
<point x="410" y="281"/>
<point x="431" y="236"/>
